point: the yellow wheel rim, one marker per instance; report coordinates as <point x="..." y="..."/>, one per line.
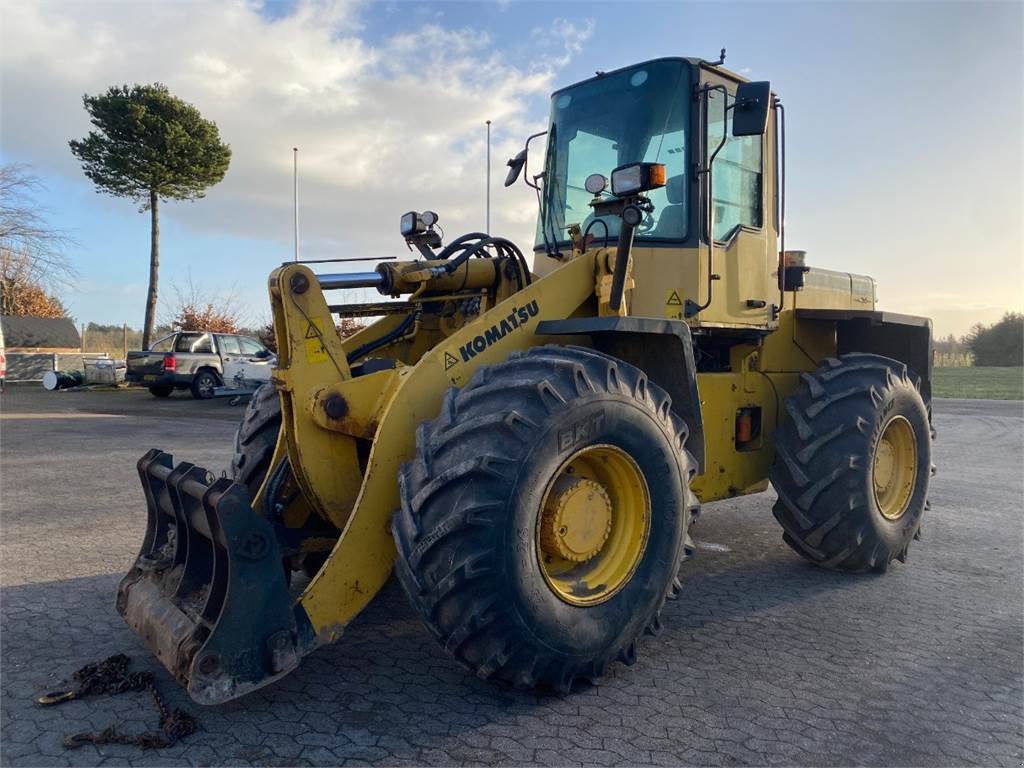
<point x="594" y="521"/>
<point x="894" y="469"/>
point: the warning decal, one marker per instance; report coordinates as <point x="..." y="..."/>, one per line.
<point x="449" y="360"/>
<point x="673" y="304"/>
<point x="315" y="352"/>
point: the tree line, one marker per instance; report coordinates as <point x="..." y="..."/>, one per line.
<point x="998" y="344"/>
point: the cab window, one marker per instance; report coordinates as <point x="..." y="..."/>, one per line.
<point x="250" y="347"/>
<point x="738" y="173"/>
<point x="229" y="345"/>
<point x="165" y="344"/>
<point x="196" y="343"/>
<point x="633" y="115"/>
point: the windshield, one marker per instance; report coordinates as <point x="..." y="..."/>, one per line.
<point x="635" y="115"/>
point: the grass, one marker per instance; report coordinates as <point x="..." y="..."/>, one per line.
<point x="979" y="383"/>
<point x="112" y="342"/>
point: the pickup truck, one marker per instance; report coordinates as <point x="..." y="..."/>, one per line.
<point x="195" y="360"/>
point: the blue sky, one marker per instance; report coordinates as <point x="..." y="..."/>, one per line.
<point x="904" y="120"/>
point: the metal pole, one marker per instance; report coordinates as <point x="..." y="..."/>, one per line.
<point x="124" y="330"/>
<point x="488" y="228"/>
<point x="295" y="196"/>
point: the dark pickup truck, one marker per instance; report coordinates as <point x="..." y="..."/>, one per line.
<point x="193" y="360"/>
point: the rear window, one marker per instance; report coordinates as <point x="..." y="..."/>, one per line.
<point x="196" y="343"/>
<point x="164" y="345"/>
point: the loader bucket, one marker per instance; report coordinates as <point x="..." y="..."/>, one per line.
<point x="208" y="592"/>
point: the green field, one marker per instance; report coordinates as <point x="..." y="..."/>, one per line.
<point x="979" y="383"/>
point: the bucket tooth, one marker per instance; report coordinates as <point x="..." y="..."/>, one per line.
<point x="207" y="592"/>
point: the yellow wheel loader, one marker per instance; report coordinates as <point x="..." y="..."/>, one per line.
<point x="527" y="448"/>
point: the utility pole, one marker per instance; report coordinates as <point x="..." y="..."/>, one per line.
<point x="295" y="197"/>
<point x="488" y="227"/>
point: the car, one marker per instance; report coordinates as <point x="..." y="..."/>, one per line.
<point x="196" y="361"/>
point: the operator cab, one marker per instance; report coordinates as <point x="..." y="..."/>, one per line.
<point x="689" y="116"/>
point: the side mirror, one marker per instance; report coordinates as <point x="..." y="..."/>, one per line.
<point x="515" y="167"/>
<point x="750" y="109"/>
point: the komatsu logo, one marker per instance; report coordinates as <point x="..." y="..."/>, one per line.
<point x="516" y="318"/>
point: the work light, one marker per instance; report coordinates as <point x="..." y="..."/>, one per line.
<point x="596" y="183"/>
<point x="414" y="223"/>
<point x="411" y="224"/>
<point x="637" y="177"/>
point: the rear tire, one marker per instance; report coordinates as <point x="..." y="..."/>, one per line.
<point x="161" y="391"/>
<point x="256" y="438"/>
<point x="203" y="384"/>
<point x="853" y="463"/>
<point x="469" y="534"/>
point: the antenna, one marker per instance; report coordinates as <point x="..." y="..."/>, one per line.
<point x="295" y="197"/>
<point x="487" y="229"/>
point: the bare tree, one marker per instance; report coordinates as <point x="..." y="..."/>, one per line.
<point x="27" y="239"/>
<point x="196" y="309"/>
<point x="20" y="294"/>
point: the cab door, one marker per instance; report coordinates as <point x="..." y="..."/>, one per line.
<point x="258" y="360"/>
<point x="742" y="185"/>
<point x="230" y="357"/>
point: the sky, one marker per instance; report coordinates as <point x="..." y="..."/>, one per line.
<point x="904" y="121"/>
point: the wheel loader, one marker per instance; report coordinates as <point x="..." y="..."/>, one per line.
<point x="527" y="446"/>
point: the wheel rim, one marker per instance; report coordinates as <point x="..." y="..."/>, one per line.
<point x="593" y="526"/>
<point x="894" y="469"/>
<point x="206" y="384"/>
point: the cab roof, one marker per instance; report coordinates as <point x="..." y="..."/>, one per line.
<point x="692" y="61"/>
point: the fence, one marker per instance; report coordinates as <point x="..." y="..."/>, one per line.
<point x="953" y="360"/>
<point x="115" y="342"/>
<point x="32" y="366"/>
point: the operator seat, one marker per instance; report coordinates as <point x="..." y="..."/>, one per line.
<point x="672" y="218"/>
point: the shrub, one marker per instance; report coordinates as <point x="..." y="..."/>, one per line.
<point x="1000" y="344"/>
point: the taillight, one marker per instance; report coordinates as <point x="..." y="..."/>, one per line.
<point x="170" y="363"/>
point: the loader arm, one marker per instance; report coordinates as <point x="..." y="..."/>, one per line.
<point x="362" y="559"/>
<point x="208" y="592"/>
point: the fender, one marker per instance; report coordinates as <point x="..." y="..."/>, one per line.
<point x="662" y="349"/>
<point x="907" y="338"/>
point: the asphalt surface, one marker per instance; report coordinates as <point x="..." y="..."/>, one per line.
<point x="763" y="660"/>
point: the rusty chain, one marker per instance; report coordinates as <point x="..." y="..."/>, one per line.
<point x="112" y="676"/>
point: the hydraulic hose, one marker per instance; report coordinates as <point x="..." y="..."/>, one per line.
<point x="469" y="249"/>
<point x="460" y="243"/>
<point x="384" y="340"/>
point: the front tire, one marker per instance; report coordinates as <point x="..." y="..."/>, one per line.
<point x="853" y="463"/>
<point x="514" y="503"/>
<point x="256" y="438"/>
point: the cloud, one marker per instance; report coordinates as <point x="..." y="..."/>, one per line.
<point x="383" y="125"/>
<point x="564" y="34"/>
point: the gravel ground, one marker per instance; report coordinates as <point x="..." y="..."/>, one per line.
<point x="763" y="660"/>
